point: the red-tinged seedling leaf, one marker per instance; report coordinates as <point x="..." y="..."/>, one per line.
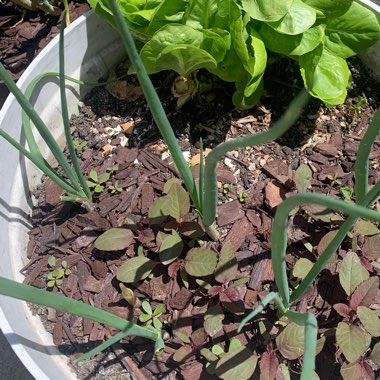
<point x="375" y="354"/>
<point x="114" y="239"/>
<point x="357" y="370"/>
<point x="159" y="210"/>
<point x="173" y="269"/>
<point x="171" y="248"/>
<point x="230" y="295"/>
<point x="227" y="265"/>
<point x="184" y="353"/>
<point x="352" y="272"/>
<point x="232" y="301"/>
<point x="370" y="320"/>
<point x="191" y="229"/>
<point x="342" y="309"/>
<point x="352" y="340"/>
<point x="200" y="262"/>
<point x="236" y="364"/>
<point x="179" y="201"/>
<point x="129" y="296"/>
<point x="366" y="228"/>
<point x="199" y="337"/>
<point x="268" y="366"/>
<point x="135" y="269"/>
<point x="325" y="241"/>
<point x="302" y="177"/>
<point x="371" y="247"/>
<point x="213" y="320"/>
<point x="215" y="290"/>
<point x="290" y="341"/>
<point x="365" y="293"/>
<point x="183" y="337"/>
<point x="302" y="268"/>
<point x="283" y="372"/>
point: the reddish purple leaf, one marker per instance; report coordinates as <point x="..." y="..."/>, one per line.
<point x="214" y="290"/>
<point x="365" y="293"/>
<point x="268" y="366"/>
<point x="342" y="309"/>
<point x="230" y="295"/>
<point x="357" y="370"/>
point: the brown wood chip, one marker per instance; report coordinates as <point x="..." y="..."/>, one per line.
<point x="229" y="212"/>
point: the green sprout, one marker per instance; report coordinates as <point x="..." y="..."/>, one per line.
<point x="357" y="108"/>
<point x="243" y="196"/>
<point x="151" y="316"/>
<point x="97" y="182"/>
<point x="79" y="145"/>
<point x="57" y="273"/>
<point x="115" y="188"/>
<point x="227" y="187"/>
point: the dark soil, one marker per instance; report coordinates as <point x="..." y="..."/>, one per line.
<point x="252" y="183"/>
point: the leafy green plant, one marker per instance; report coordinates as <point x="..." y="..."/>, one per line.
<point x="151" y="316"/>
<point x="57" y="272"/>
<point x="361" y="321"/>
<point x="205" y="195"/>
<point x="79" y="145"/>
<point x="229" y="38"/>
<point x="237" y="363"/>
<point x="364" y="198"/>
<point x="98" y="182"/>
<point x="115" y="188"/>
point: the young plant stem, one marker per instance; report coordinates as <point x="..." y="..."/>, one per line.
<point x="280" y="224"/>
<point x="85" y="190"/>
<point x="362" y="158"/>
<point x="67" y="305"/>
<point x="310" y="341"/>
<point x="155" y="105"/>
<point x="210" y="193"/>
<point x="41" y="128"/>
<point x="332" y="247"/>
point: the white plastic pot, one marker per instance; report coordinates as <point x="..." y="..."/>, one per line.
<point x="91" y="49"/>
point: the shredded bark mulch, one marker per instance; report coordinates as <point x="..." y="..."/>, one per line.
<point x="119" y="135"/>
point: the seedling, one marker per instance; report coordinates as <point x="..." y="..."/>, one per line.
<point x="361" y="321"/>
<point x="79" y="145"/>
<point x="347" y="193"/>
<point x="151" y="316"/>
<point x="358" y="107"/>
<point x="98" y="182"/>
<point x="227" y="187"/>
<point x="243" y="196"/>
<point x="115" y="188"/>
<point x="334" y="179"/>
<point x="57" y="273"/>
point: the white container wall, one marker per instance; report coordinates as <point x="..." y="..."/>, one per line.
<point x="91" y="49"/>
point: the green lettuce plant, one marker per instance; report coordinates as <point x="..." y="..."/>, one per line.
<point x="229" y="38"/>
